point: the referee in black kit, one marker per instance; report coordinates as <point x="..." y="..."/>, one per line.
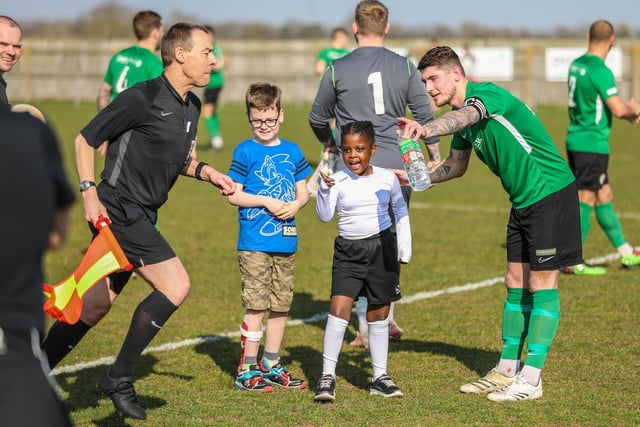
<point x="151" y="129"/>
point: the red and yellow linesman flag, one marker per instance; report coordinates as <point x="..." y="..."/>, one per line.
<point x="103" y="257"/>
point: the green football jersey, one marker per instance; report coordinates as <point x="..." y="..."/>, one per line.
<point x="130" y="66"/>
<point x="590" y="83"/>
<point x="217" y="77"/>
<point x="514" y="144"/>
<point x="329" y="54"/>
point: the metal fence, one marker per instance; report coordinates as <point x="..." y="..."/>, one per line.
<point x="71" y="70"/>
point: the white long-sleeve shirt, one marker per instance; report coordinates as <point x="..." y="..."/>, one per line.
<point x="362" y="204"/>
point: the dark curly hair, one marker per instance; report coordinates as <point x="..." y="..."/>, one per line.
<point x="364" y="128"/>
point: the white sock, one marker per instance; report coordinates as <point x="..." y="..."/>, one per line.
<point x="333" y="336"/>
<point x="508" y="367"/>
<point x="531" y="374"/>
<point x="379" y="346"/>
<point x="625" y="249"/>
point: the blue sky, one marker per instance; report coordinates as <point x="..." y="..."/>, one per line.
<point x="532" y="15"/>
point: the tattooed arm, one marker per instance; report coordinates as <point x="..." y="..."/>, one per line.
<point x="453" y="166"/>
<point x="434" y="153"/>
<point x="451" y="122"/>
<point x="447" y="124"/>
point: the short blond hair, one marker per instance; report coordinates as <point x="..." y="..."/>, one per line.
<point x="372" y="17"/>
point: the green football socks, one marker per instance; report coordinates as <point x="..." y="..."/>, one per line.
<point x="515" y="322"/>
<point x="609" y="222"/>
<point x="543" y="325"/>
<point x="213" y="125"/>
<point x="585" y="219"/>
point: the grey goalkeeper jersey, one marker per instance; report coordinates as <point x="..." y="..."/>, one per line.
<point x="375" y="84"/>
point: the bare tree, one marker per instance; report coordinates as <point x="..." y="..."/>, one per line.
<point x="107" y="20"/>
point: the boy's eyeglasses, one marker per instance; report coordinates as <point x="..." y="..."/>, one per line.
<point x="257" y="123"/>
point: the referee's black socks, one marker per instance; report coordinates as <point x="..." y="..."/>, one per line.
<point x="149" y="317"/>
<point x="61" y="339"/>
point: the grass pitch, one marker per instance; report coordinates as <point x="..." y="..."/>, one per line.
<point x="591" y="376"/>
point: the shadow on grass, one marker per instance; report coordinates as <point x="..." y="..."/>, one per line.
<point x="478" y="360"/>
<point x="304" y="303"/>
<point x="113" y="420"/>
<point x="354" y="365"/>
<point x="83" y="393"/>
<point x="224" y="352"/>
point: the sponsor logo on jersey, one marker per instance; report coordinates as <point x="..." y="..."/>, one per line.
<point x="120" y="59"/>
<point x="289" y="231"/>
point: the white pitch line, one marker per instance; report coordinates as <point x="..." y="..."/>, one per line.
<point x="488" y="209"/>
<point x="461" y="208"/>
<point x="452" y="290"/>
<point x="603" y="259"/>
<point x="103" y="361"/>
<point x="628" y="215"/>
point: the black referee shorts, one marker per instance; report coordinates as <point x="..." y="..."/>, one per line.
<point x="367" y="267"/>
<point x="134" y="228"/>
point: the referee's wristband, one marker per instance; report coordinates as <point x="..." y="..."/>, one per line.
<point x="199" y="170"/>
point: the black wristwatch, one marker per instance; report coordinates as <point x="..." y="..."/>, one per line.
<point x="85" y="185"/>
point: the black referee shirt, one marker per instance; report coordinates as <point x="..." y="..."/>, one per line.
<point x="152" y="133"/>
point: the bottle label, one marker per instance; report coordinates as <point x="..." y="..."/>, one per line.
<point x="414" y="164"/>
<point x="410" y="150"/>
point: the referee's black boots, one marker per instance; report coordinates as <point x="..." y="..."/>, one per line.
<point x="123" y="395"/>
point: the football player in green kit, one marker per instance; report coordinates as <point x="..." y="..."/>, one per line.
<point x="338" y="49"/>
<point x="136" y="63"/>
<point x="593" y="99"/>
<point x="543" y="233"/>
<point x="212" y="93"/>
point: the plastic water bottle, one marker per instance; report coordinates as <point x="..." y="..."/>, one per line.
<point x="414" y="163"/>
<point x="330" y="161"/>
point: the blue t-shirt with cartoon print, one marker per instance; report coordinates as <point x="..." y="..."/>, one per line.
<point x="271" y="171"/>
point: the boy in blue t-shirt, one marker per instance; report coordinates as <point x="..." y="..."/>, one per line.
<point x="271" y="188"/>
